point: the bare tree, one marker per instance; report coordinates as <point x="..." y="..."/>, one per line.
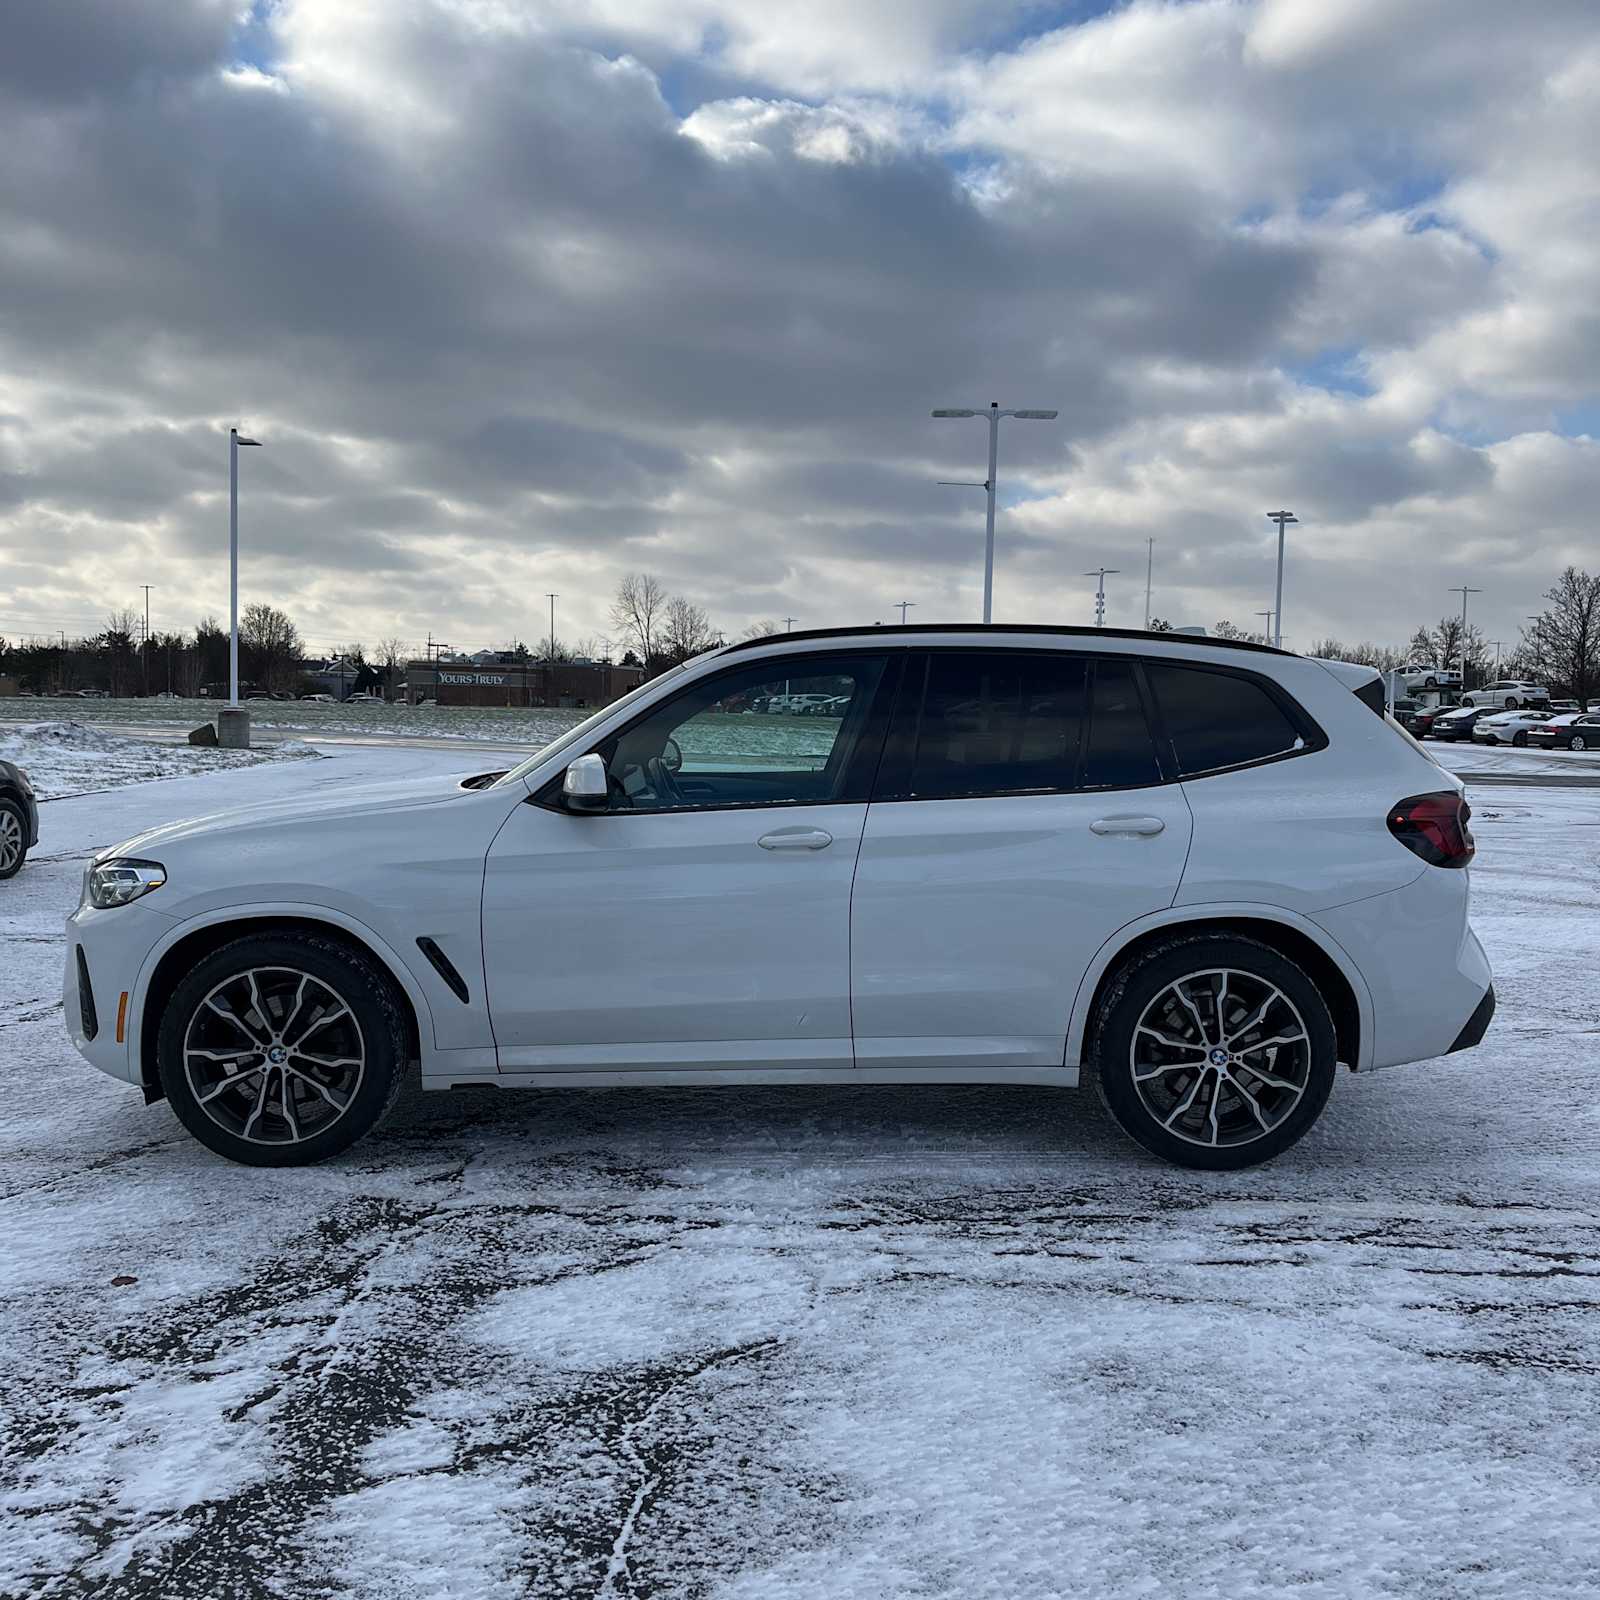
<point x="269" y="645"/>
<point x="1446" y="647"/>
<point x="685" y="630"/>
<point x="636" y="613"/>
<point x="1565" y="640"/>
<point x="389" y="656"/>
<point x="763" y="629"/>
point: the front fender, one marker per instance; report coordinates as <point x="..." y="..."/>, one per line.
<point x="300" y="911"/>
<point x="1178" y="917"/>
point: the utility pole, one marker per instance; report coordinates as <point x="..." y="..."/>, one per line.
<point x="1281" y="518"/>
<point x="788" y="624"/>
<point x="1268" y="634"/>
<point x="1100" y="594"/>
<point x="1464" y="591"/>
<point x="235" y="444"/>
<point x="905" y="606"/>
<point x="1149" y="567"/>
<point x="994" y="414"/>
<point x="552" y="598"/>
<point x="145" y="652"/>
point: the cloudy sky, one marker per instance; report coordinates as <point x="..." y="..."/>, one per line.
<point x="524" y="294"/>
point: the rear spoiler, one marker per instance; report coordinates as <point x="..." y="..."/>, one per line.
<point x="1365" y="683"/>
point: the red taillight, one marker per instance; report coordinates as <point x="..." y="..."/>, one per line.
<point x="1434" y="826"/>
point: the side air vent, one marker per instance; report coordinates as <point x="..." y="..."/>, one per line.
<point x="440" y="963"/>
<point x="86" y="1011"/>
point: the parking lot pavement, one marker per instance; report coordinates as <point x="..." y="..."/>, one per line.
<point x="876" y="1342"/>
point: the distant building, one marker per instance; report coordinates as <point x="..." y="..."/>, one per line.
<point x="514" y="682"/>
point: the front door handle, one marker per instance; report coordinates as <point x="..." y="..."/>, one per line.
<point x="1136" y="827"/>
<point x="796" y="839"/>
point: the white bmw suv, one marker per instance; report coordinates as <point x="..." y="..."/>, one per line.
<point x="1200" y="873"/>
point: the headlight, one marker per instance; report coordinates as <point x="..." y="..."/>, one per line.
<point x="119" y="880"/>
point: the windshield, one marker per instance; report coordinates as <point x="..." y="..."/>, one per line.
<point x="579" y="734"/>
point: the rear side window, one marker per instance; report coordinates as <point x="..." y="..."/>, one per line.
<point x="1220" y="719"/>
<point x="1119" y="752"/>
<point x="996" y="723"/>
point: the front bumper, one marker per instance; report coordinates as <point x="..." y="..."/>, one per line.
<point x="105" y="952"/>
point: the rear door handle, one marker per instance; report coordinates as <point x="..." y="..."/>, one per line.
<point x="796" y="839"/>
<point x="1137" y="827"/>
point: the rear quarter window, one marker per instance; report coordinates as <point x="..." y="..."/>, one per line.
<point x="1216" y="720"/>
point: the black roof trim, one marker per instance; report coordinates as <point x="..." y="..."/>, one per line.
<point x="882" y="630"/>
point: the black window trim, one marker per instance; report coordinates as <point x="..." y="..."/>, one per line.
<point x="865" y="759"/>
<point x="1305" y="725"/>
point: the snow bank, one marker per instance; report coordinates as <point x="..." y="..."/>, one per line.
<point x="66" y="758"/>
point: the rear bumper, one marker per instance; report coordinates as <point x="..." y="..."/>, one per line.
<point x="1476" y="1025"/>
<point x="1425" y="970"/>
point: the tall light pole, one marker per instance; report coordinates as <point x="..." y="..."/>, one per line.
<point x="1100" y="594"/>
<point x="905" y="606"/>
<point x="552" y="598"/>
<point x="994" y="414"/>
<point x="1149" y="567"/>
<point x="1281" y="518"/>
<point x="146" y="651"/>
<point x="235" y="444"/>
<point x="1463" y="591"/>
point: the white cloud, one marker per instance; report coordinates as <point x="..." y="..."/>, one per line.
<point x="524" y="296"/>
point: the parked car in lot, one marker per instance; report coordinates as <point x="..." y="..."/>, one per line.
<point x="1574" y="730"/>
<point x="1423" y="675"/>
<point x="1456" y="724"/>
<point x="1196" y="873"/>
<point x="19" y="819"/>
<point x="1507" y="727"/>
<point x="1419" y="723"/>
<point x="1508" y="693"/>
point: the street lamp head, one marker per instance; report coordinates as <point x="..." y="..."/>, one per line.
<point x="955" y="413"/>
<point x="241" y="441"/>
<point x="1281" y="517"/>
<point x="1037" y="416"/>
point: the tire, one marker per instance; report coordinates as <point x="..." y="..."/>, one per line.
<point x="300" y="1109"/>
<point x="1135" y="1001"/>
<point x="1576" y="742"/>
<point x="1518" y="741"/>
<point x="1511" y="702"/>
<point x="1432" y="683"/>
<point x="13" y="838"/>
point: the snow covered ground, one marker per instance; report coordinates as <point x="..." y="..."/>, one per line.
<point x="518" y="726"/>
<point x="70" y="758"/>
<point x="766" y="1345"/>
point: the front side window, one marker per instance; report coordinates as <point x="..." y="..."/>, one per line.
<point x="772" y="733"/>
<point x="1220" y="719"/>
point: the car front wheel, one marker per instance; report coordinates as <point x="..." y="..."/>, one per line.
<point x="1511" y="702"/>
<point x="13" y="838"/>
<point x="283" y="1049"/>
<point x="1576" y="742"/>
<point x="1214" y="1052"/>
<point x="1519" y="740"/>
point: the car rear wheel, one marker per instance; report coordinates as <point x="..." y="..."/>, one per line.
<point x="1214" y="1052"/>
<point x="1576" y="742"/>
<point x="1511" y="702"/>
<point x="282" y="1049"/>
<point x="13" y="838"/>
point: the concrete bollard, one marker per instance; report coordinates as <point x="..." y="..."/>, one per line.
<point x="233" y="728"/>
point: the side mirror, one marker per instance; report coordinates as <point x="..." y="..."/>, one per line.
<point x="586" y="786"/>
